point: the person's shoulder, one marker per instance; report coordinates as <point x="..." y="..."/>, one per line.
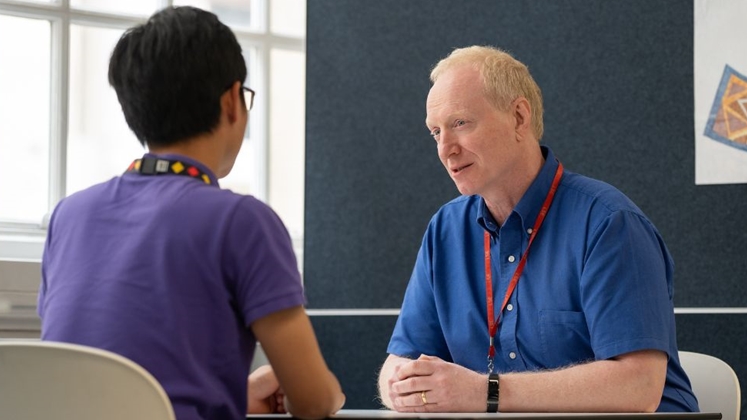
<point x="247" y="203"/>
<point x="206" y="195"/>
<point x="88" y="196"/>
<point x="248" y="210"/>
<point x="597" y="193"/>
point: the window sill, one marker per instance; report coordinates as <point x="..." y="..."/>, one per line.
<point x="22" y="244"/>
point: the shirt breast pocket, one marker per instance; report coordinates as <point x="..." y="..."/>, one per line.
<point x="565" y="338"/>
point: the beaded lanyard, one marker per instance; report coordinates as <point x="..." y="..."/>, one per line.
<point x="158" y="166"/>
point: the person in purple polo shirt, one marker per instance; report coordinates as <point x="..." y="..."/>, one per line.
<point x="167" y="269"/>
<point x="538" y="289"/>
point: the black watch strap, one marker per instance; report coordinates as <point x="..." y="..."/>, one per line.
<point x="493" y="393"/>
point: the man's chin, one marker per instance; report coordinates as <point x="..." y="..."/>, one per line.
<point x="463" y="190"/>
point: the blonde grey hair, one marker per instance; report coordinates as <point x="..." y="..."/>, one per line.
<point x="504" y="78"/>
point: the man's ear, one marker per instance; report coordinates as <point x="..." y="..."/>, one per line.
<point x="231" y="104"/>
<point x="522" y="111"/>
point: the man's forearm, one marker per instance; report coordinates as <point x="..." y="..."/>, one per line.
<point x="634" y="383"/>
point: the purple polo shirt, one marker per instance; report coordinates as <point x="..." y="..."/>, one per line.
<point x="170" y="272"/>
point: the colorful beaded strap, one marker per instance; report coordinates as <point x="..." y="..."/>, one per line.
<point x="158" y="166"/>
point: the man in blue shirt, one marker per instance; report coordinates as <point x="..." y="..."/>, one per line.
<point x="538" y="289"/>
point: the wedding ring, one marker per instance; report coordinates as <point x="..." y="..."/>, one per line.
<point x="422" y="397"/>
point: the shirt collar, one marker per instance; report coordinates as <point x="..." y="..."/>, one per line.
<point x="531" y="202"/>
<point x="485" y="219"/>
<point x="188" y="161"/>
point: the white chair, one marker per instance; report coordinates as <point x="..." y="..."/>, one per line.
<point x="47" y="380"/>
<point x="714" y="383"/>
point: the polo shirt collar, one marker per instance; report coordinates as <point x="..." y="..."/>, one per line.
<point x="188" y="161"/>
<point x="531" y="202"/>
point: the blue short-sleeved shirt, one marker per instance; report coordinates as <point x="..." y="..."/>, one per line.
<point x="597" y="284"/>
<point x="169" y="272"/>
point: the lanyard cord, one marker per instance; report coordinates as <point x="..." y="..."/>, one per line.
<point x="494" y="322"/>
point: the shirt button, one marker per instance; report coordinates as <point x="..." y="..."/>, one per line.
<point x="510" y="307"/>
<point x="512" y="355"/>
<point x="529" y="231"/>
<point x="511" y="258"/>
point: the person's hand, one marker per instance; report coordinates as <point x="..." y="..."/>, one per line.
<point x="264" y="395"/>
<point x="430" y="384"/>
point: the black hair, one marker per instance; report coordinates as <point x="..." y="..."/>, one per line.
<point x="170" y="72"/>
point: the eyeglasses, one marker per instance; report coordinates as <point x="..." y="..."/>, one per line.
<point x="250" y="102"/>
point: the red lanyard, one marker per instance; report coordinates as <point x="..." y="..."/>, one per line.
<point x="493" y="322"/>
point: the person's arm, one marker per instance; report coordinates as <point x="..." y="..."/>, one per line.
<point x="288" y="340"/>
<point x="632" y="382"/>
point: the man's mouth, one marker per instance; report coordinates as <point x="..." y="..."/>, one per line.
<point x="458" y="169"/>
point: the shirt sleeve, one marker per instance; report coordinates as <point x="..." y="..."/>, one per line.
<point x="418" y="329"/>
<point x="626" y="287"/>
<point x="259" y="259"/>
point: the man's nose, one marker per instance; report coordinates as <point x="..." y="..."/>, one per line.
<point x="447" y="144"/>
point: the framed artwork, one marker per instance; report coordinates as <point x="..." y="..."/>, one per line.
<point x="720" y="91"/>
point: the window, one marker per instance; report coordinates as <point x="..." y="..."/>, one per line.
<point x="24" y="140"/>
<point x="62" y="130"/>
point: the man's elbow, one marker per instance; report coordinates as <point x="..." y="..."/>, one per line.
<point x="650" y="404"/>
<point x="642" y="400"/>
<point x="655" y="392"/>
<point x="647" y="373"/>
<point x="649" y="398"/>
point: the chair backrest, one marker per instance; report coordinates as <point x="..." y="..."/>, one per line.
<point x="714" y="383"/>
<point x="47" y="380"/>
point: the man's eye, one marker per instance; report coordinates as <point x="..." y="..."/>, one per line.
<point x="435" y="133"/>
<point x="459" y="123"/>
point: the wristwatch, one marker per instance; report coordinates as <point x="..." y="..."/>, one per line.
<point x="493" y="392"/>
